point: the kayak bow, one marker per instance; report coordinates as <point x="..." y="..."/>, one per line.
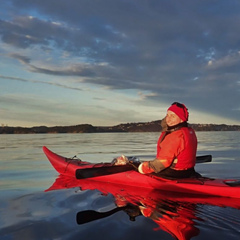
<point x="199" y="186"/>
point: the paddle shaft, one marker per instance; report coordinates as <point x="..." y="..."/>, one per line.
<point x="108" y="170"/>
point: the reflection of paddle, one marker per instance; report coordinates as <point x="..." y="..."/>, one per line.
<point x="91" y="215"/>
<point x="102" y="171"/>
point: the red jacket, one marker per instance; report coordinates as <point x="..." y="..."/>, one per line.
<point x="179" y="146"/>
<point x="176" y="149"/>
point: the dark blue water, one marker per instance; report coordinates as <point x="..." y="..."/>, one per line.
<point x="28" y="212"/>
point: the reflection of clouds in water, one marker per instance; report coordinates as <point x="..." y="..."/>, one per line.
<point x="224" y="148"/>
<point x="52" y="215"/>
<point x="42" y="214"/>
<point x="218" y="218"/>
<point x="219" y="144"/>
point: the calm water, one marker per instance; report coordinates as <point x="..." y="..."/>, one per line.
<point x="27" y="212"/>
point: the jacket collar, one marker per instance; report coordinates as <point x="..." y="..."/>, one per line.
<point x="177" y="127"/>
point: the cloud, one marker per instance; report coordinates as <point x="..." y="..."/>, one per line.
<point x="227" y="64"/>
<point x="32" y="110"/>
<point x="22" y="59"/>
<point x="166" y="50"/>
<point x="42" y="82"/>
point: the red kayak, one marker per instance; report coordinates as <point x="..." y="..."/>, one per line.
<point x="130" y="177"/>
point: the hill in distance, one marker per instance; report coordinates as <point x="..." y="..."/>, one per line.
<point x="153" y="126"/>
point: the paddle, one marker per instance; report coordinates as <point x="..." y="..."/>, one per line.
<point x="91" y="215"/>
<point x="102" y="171"/>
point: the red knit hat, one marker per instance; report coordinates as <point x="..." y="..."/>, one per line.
<point x="179" y="109"/>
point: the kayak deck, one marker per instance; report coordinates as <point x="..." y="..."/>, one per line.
<point x="200" y="186"/>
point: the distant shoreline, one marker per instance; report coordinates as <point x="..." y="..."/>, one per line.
<point x="153" y="126"/>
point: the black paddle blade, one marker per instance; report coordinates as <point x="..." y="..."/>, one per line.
<point x="87" y="216"/>
<point x="203" y="159"/>
<point x="102" y="171"/>
<point x="91" y="215"/>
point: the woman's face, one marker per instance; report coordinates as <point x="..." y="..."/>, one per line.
<point x="172" y="119"/>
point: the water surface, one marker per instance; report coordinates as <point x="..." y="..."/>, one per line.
<point x="28" y="212"/>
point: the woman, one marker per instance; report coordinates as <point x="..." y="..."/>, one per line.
<point x="176" y="147"/>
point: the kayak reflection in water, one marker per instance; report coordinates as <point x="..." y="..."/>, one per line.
<point x="174" y="213"/>
<point x="175" y="218"/>
<point x="176" y="147"/>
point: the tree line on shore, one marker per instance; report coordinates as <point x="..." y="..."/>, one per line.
<point x="153" y="126"/>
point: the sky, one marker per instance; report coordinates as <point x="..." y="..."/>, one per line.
<point x="105" y="62"/>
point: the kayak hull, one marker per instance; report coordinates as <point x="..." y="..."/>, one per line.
<point x="196" y="186"/>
